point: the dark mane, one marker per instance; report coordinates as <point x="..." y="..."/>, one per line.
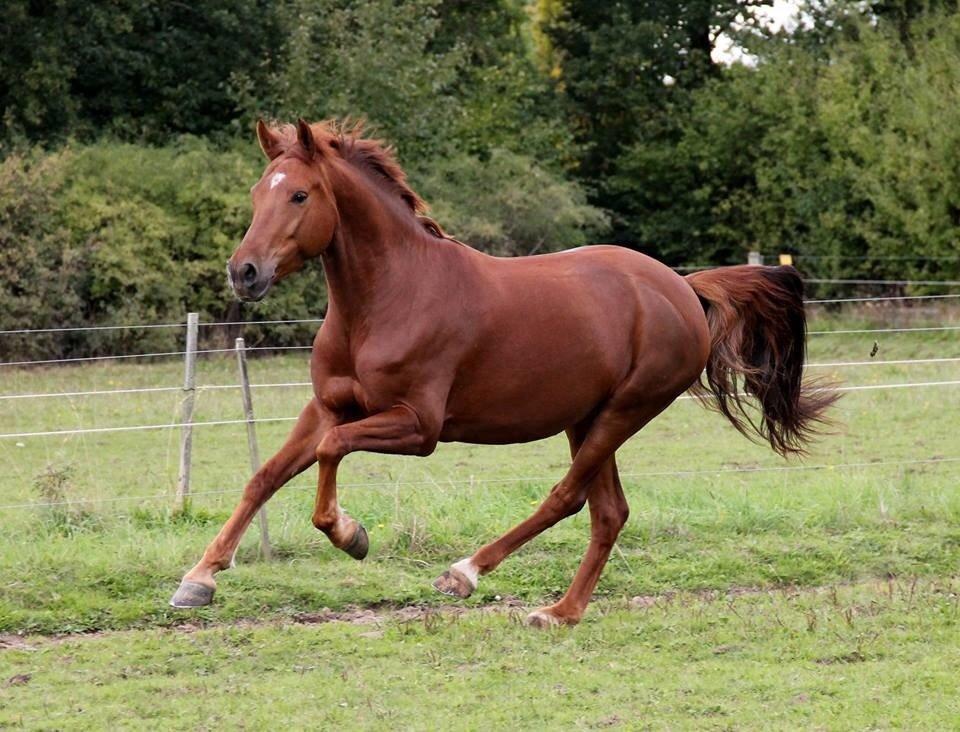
<point x="371" y="154"/>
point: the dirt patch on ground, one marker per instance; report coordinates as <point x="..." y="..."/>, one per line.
<point x="363" y="616"/>
<point x="373" y="617"/>
<point x="377" y="617"/>
<point x="16" y="643"/>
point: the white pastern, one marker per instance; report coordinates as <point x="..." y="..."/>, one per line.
<point x="468" y="570"/>
<point x="276" y="180"/>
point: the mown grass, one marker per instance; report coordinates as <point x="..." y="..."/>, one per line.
<point x="871" y="656"/>
<point x="113" y="564"/>
<point x="860" y="653"/>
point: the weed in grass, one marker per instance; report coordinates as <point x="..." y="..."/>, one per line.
<point x="53" y="485"/>
<point x="189" y="517"/>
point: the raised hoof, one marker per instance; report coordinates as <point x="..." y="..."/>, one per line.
<point x="191" y="594"/>
<point x="359" y="545"/>
<point x="453" y="583"/>
<point x="543" y="618"/>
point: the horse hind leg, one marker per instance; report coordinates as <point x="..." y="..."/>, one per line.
<point x="565" y="499"/>
<point x="608" y="514"/>
<point x="620" y="420"/>
<point x="593" y="472"/>
<point x="462" y="578"/>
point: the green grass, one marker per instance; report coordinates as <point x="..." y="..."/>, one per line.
<point x="873" y="656"/>
<point x="112" y="564"/>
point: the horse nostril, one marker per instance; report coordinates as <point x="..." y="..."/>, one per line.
<point x="248" y="274"/>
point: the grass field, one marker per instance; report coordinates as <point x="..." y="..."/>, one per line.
<point x="873" y="656"/>
<point x="864" y="650"/>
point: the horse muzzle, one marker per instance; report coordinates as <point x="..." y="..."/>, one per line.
<point x="249" y="281"/>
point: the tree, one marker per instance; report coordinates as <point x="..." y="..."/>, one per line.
<point x="139" y="69"/>
<point x="453" y="87"/>
<point x="625" y="71"/>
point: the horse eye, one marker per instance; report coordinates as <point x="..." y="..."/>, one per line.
<point x="299" y="197"/>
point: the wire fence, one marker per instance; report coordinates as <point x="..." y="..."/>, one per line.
<point x="899" y="299"/>
<point x="160" y="354"/>
<point x="868" y="257"/>
<point x="147" y="326"/>
<point x="884" y="283"/>
<point x="851" y="331"/>
<point x="306" y="347"/>
<point x="290" y="384"/>
<point x="67" y="432"/>
<point x="146" y="390"/>
<point x="507" y="480"/>
<point x="258" y="420"/>
<point x="299" y="321"/>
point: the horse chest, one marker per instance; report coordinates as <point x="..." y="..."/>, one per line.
<point x="365" y="392"/>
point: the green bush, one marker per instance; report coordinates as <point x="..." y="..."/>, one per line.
<point x="508" y="204"/>
<point x="844" y="155"/>
<point x="39" y="266"/>
<point x="118" y="233"/>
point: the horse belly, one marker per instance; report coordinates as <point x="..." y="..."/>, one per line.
<point x="531" y="390"/>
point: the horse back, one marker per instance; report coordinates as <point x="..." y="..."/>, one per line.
<point x="558" y="334"/>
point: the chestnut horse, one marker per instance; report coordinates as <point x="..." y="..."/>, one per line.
<point x="427" y="340"/>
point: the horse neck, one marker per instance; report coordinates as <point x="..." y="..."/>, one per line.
<point x="376" y="252"/>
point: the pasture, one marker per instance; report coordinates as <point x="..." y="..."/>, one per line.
<point x="744" y="591"/>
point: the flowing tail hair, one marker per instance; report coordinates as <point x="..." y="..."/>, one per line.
<point x="758" y="333"/>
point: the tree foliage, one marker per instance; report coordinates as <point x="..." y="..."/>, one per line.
<point x="529" y="125"/>
<point x="141" y="69"/>
<point x="848" y="160"/>
<point x="625" y="71"/>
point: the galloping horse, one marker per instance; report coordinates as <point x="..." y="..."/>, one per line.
<point x="427" y="340"/>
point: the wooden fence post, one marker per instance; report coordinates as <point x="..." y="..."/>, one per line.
<point x="186" y="416"/>
<point x="240" y="348"/>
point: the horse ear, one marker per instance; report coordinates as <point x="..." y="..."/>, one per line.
<point x="269" y="141"/>
<point x="305" y="137"/>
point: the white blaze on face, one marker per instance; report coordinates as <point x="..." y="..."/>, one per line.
<point x="276" y="179"/>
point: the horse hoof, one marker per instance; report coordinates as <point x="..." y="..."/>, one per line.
<point x="359" y="545"/>
<point x="191" y="594"/>
<point x="453" y="583"/>
<point x="543" y="618"/>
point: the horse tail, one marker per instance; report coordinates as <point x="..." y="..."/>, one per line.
<point x="758" y="332"/>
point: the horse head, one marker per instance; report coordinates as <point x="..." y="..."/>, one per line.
<point x="294" y="210"/>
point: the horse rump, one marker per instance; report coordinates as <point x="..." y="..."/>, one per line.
<point x="758" y="333"/>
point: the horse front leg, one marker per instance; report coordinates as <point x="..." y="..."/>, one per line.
<point x="398" y="431"/>
<point x="297" y="454"/>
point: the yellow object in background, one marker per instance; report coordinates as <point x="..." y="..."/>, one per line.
<point x="786" y="259"/>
